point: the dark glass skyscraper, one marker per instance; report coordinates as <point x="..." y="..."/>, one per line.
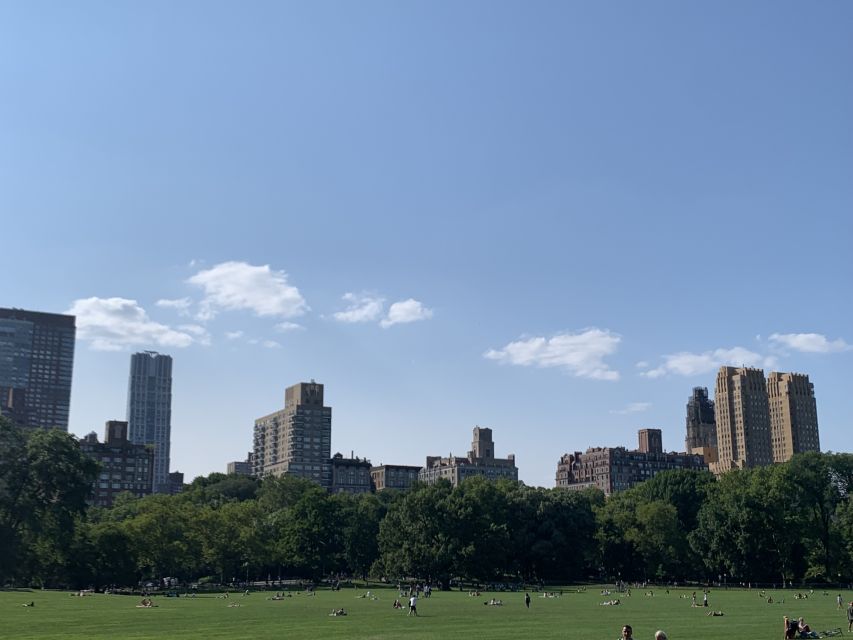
<point x="36" y="361"/>
<point x="149" y="410"/>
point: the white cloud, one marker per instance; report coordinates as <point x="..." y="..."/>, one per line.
<point x="642" y="364"/>
<point x="405" y="311"/>
<point x="809" y="342"/>
<point x="288" y="326"/>
<point x="201" y="334"/>
<point x="633" y="407"/>
<point x="242" y="286"/>
<point x="361" y="307"/>
<point x="113" y="324"/>
<point x="581" y="354"/>
<point x="233" y="335"/>
<point x="181" y="305"/>
<point x="271" y="344"/>
<point x="685" y="363"/>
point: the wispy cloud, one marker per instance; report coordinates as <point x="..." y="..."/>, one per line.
<point x="181" y="305"/>
<point x="242" y="286"/>
<point x="405" y="311"/>
<point x="283" y="327"/>
<point x="200" y="333"/>
<point x="685" y="363"/>
<point x="809" y="343"/>
<point x="633" y="407"/>
<point x="361" y="307"/>
<point x="233" y="335"/>
<point x="581" y="354"/>
<point x="113" y="324"/>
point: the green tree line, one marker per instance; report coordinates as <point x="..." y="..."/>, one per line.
<point x="789" y="522"/>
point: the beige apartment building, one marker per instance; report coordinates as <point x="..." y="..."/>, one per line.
<point x="793" y="415"/>
<point x="296" y="440"/>
<point x="481" y="461"/>
<point x="760" y="421"/>
<point x="743" y="419"/>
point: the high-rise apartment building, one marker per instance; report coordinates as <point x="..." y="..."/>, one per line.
<point x="296" y="440"/>
<point x="743" y="419"/>
<point x="793" y="415"/>
<point x="481" y="461"/>
<point x="701" y="425"/>
<point x="124" y="466"/>
<point x="36" y="361"/>
<point x="149" y="410"/>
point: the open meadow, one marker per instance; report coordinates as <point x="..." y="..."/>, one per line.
<point x="445" y="615"/>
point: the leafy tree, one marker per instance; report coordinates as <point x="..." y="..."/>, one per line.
<point x="360" y="517"/>
<point x="415" y="539"/>
<point x="164" y="538"/>
<point x="308" y="535"/>
<point x="819" y="485"/>
<point x="44" y="482"/>
<point x="746" y="528"/>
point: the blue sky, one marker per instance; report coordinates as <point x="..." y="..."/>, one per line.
<point x="553" y="218"/>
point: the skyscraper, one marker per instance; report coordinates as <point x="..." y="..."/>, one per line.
<point x="793" y="415"/>
<point x="149" y="410"/>
<point x="296" y="440"/>
<point x="701" y="425"/>
<point x="36" y="362"/>
<point x="743" y="419"/>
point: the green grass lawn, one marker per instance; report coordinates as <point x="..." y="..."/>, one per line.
<point x="445" y="616"/>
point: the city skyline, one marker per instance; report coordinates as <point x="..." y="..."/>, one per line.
<point x="553" y="223"/>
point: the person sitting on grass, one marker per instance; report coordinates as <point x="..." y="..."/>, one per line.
<point x="792" y="627"/>
<point x="337" y="612"/>
<point x="397" y="603"/>
<point x="804" y="629"/>
<point x="716" y="614"/>
<point x="145" y="604"/>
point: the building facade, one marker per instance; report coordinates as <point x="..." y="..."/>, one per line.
<point x="743" y="419"/>
<point x="793" y="415"/>
<point x="36" y="363"/>
<point x="350" y="475"/>
<point x="149" y="410"/>
<point x="614" y="469"/>
<point x="239" y="467"/>
<point x="481" y="461"/>
<point x="393" y="476"/>
<point x="124" y="466"/>
<point x="701" y="421"/>
<point x="296" y="440"/>
<point x="176" y="483"/>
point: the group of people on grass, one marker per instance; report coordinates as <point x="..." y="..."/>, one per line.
<point x="793" y="627"/>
